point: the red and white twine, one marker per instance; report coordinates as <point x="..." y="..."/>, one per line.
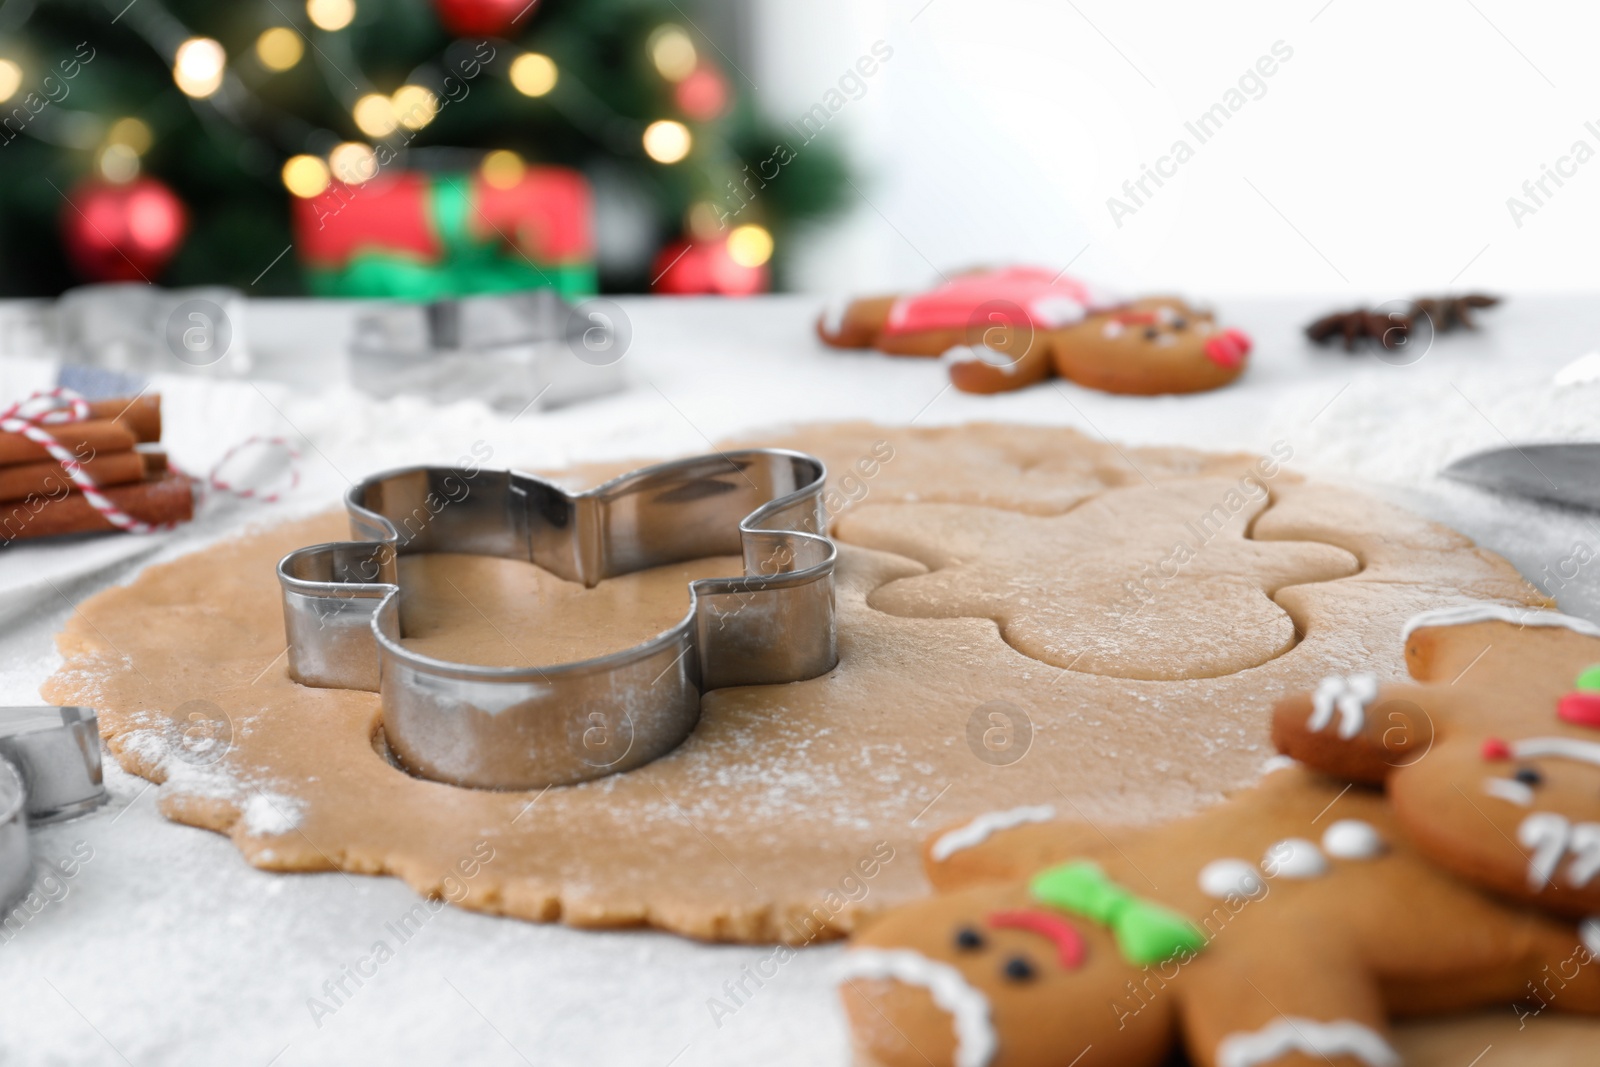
<point x="60" y="406"/>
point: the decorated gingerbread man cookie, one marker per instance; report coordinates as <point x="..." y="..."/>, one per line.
<point x="1002" y="330"/>
<point x="1289" y="924"/>
<point x="1491" y="761"/>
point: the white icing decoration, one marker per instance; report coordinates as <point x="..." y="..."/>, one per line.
<point x="967" y="1006"/>
<point x="1112" y="330"/>
<point x="1353" y="839"/>
<point x="1546" y="833"/>
<point x="1349" y="694"/>
<point x="1166" y="340"/>
<point x="833" y="315"/>
<point x="1000" y="361"/>
<point x="1585" y="370"/>
<point x="1589" y="934"/>
<point x="1294" y="857"/>
<point x="1560" y="747"/>
<point x="1510" y="790"/>
<point x="1053" y="312"/>
<point x="984" y="826"/>
<point x="1585" y="846"/>
<point x="1226" y="878"/>
<point x="1292" y="1033"/>
<point x="1277" y="763"/>
<point x="1465" y="614"/>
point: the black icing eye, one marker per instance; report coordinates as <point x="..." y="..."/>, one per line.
<point x="968" y="939"/>
<point x="1018" y="969"/>
<point x="1180" y="324"/>
<point x="1151" y="333"/>
<point x="1528" y="776"/>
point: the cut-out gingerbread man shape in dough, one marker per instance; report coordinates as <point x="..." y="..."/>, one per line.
<point x="1491" y="761"/>
<point x="1151" y="582"/>
<point x="1286" y="926"/>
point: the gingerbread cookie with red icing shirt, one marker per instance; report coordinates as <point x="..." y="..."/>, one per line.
<point x="1288" y="925"/>
<point x="1002" y="330"/>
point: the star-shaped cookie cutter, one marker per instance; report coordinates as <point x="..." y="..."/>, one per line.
<point x="532" y="726"/>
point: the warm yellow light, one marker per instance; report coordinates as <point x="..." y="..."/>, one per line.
<point x="10" y="79"/>
<point x="502" y="168"/>
<point x="331" y="15"/>
<point x="414" y="106"/>
<point x="279" y="48"/>
<point x="118" y="163"/>
<point x="673" y="53"/>
<point x="750" y="245"/>
<point x="533" y="74"/>
<point x="353" y="162"/>
<point x="131" y="133"/>
<point x="666" y="141"/>
<point x="198" y="65"/>
<point x="374" y="115"/>
<point x="305" y="176"/>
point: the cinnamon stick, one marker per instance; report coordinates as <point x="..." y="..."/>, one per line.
<point x="85" y="440"/>
<point x="169" y="498"/>
<point x="140" y="414"/>
<point x="47" y="479"/>
<point x="117" y="425"/>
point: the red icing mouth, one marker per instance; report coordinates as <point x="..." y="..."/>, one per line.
<point x="1580" y="709"/>
<point x="1496" y="749"/>
<point x="1069" y="943"/>
<point x="1228" y="348"/>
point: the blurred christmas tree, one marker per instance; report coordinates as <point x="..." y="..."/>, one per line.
<point x="410" y="147"/>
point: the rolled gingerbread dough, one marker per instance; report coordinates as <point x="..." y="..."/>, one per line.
<point x="1014" y="628"/>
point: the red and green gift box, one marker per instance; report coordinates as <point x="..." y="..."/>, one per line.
<point x="418" y="236"/>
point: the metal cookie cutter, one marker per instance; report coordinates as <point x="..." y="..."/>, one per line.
<point x="16" y="860"/>
<point x="528" y="727"/>
<point x="49" y="770"/>
<point x="57" y="753"/>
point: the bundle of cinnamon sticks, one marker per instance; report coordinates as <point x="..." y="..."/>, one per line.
<point x="114" y="445"/>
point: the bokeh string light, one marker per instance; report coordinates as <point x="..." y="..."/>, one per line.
<point x="331" y="15"/>
<point x="198" y="66"/>
<point x="667" y="141"/>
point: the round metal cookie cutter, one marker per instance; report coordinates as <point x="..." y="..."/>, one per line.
<point x="57" y="753"/>
<point x="16" y="857"/>
<point x="532" y="726"/>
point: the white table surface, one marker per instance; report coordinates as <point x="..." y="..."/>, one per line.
<point x="166" y="948"/>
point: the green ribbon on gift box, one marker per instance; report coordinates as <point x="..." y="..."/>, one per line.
<point x="468" y="267"/>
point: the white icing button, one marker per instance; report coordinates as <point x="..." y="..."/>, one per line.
<point x="1277" y="763"/>
<point x="1294" y="857"/>
<point x="1352" y="839"/>
<point x="1229" y="878"/>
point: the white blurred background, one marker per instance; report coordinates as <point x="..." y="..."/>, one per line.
<point x="1378" y="161"/>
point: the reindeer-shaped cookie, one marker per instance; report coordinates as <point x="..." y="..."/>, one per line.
<point x="1286" y="926"/>
<point x="1005" y="329"/>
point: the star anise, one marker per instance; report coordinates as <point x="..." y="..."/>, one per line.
<point x="1355" y="327"/>
<point x="1391" y="329"/>
<point x="1448" y="312"/>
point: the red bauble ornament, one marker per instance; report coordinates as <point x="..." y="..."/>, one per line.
<point x="703" y="95"/>
<point x="482" y="18"/>
<point x="686" y="268"/>
<point x="122" y="233"/>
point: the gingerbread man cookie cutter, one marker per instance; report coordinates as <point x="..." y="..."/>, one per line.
<point x="49" y="770"/>
<point x="532" y="726"/>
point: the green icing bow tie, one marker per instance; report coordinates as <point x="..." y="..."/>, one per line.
<point x="1145" y="932"/>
